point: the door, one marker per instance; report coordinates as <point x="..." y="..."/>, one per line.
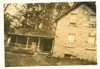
<point x="46" y="45"/>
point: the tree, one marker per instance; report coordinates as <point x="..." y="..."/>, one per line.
<point x="43" y="13"/>
<point x="36" y="16"/>
<point x="7" y="19"/>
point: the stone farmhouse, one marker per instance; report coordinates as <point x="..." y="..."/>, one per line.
<point x="76" y="32"/>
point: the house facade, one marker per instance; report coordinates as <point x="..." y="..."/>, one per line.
<point x="76" y="32"/>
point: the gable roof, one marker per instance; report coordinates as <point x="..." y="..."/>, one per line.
<point x="91" y="5"/>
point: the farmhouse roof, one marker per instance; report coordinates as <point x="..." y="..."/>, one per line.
<point x="91" y="5"/>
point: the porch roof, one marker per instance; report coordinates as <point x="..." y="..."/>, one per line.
<point x="38" y="35"/>
<point x="33" y="33"/>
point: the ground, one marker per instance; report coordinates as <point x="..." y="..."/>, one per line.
<point x="16" y="58"/>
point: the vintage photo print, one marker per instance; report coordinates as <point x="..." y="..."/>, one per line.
<point x="50" y="34"/>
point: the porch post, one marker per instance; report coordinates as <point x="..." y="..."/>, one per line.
<point x="8" y="41"/>
<point x="52" y="46"/>
<point x="27" y="43"/>
<point x="16" y="39"/>
<point x="38" y="44"/>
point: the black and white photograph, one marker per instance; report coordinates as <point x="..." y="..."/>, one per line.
<point x="50" y="34"/>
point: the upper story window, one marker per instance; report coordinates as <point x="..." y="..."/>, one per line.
<point x="92" y="21"/>
<point x="73" y="19"/>
<point x="92" y="17"/>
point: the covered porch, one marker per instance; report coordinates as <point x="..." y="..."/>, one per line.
<point x="43" y="43"/>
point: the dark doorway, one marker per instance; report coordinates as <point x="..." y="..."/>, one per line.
<point x="46" y="45"/>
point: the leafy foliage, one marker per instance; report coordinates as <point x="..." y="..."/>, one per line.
<point x="36" y="16"/>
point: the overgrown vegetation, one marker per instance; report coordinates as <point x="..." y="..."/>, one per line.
<point x="19" y="51"/>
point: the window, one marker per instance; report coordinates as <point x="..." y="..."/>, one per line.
<point x="71" y="37"/>
<point x="91" y="40"/>
<point x="91" y="43"/>
<point x="92" y="17"/>
<point x="92" y="23"/>
<point x="73" y="19"/>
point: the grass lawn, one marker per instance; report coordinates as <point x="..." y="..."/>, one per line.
<point x="16" y="59"/>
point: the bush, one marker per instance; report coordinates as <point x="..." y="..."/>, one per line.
<point x="22" y="51"/>
<point x="8" y="49"/>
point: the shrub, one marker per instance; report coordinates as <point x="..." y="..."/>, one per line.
<point x="22" y="51"/>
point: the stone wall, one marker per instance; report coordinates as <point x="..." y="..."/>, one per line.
<point x="79" y="46"/>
